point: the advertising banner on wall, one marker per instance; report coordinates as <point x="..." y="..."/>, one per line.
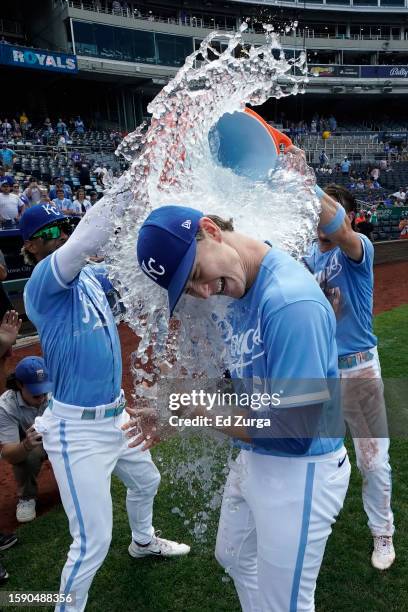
<point x="24" y="57"/>
<point x="387" y="72"/>
<point x="334" y="70"/>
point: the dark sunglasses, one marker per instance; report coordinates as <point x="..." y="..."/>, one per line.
<point x="52" y="232"/>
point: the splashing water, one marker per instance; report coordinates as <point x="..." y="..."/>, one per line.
<point x="171" y="163"/>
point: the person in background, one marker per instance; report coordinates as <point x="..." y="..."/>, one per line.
<point x="21" y="446"/>
<point x="93" y="198"/>
<point x="6" y="128"/>
<point x="44" y="197"/>
<point x="9" y="328"/>
<point x="84" y="171"/>
<point x="75" y="157"/>
<point x="32" y="192"/>
<point x="360" y="217"/>
<point x="24" y="121"/>
<point x="81" y="204"/>
<point x="62" y="143"/>
<point x="400" y="195"/>
<point x="7" y="156"/>
<point x="59" y="184"/>
<point x="403" y="227"/>
<point x="10" y="205"/>
<point x="62" y="203"/>
<point x="332" y="123"/>
<point x="61" y="128"/>
<point x="79" y="126"/>
<point x="342" y="263"/>
<point x="345" y="166"/>
<point x="323" y="159"/>
<point x="365" y="226"/>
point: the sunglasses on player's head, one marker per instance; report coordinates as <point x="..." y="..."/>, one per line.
<point x="52" y="232"/>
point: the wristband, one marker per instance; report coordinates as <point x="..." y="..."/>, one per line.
<point x="319" y="192"/>
<point x="336" y="222"/>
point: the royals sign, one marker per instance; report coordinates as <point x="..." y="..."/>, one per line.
<point x="24" y="57"/>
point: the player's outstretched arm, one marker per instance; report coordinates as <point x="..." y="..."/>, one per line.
<point x="91" y="234"/>
<point x="336" y="225"/>
<point x="334" y="221"/>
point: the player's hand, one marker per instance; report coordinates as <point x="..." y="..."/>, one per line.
<point x="297" y="162"/>
<point x="143" y="427"/>
<point x="9" y="328"/>
<point x="32" y="439"/>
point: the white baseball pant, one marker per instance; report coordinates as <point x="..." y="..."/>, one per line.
<point x="365" y="413"/>
<point x="276" y="516"/>
<point x="84" y="454"/>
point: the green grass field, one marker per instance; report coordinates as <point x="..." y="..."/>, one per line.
<point x="347" y="583"/>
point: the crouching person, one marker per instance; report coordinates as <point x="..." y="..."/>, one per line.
<point x="25" y="399"/>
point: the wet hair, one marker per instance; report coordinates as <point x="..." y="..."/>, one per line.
<point x="223" y="224"/>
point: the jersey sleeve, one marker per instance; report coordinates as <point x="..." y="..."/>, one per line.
<point x="366" y="263"/>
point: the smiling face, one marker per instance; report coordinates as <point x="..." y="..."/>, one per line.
<point x="218" y="268"/>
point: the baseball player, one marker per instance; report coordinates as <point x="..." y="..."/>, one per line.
<point x="286" y="488"/>
<point x="81" y="428"/>
<point x="342" y="262"/>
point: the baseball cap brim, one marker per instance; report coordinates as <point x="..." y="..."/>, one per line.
<point x="39" y="388"/>
<point x="179" y="281"/>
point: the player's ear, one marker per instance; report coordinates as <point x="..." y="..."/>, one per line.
<point x="210" y="228"/>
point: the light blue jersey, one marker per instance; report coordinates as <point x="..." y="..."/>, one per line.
<point x="282" y="337"/>
<point x="78" y="334"/>
<point x="349" y="287"/>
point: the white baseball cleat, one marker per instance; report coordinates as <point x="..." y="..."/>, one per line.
<point x="158" y="547"/>
<point x="25" y="510"/>
<point x="383" y="554"/>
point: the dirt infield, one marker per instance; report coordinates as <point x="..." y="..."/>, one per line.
<point x="391" y="290"/>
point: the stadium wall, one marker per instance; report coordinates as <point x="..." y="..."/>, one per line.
<point x="390" y="251"/>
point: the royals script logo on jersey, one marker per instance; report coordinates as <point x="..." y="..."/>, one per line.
<point x="95" y="307"/>
<point x="325" y="278"/>
<point x="245" y="348"/>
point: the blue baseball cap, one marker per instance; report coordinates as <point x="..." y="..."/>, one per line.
<point x="32" y="372"/>
<point x="33" y="219"/>
<point x="166" y="248"/>
<point x="8" y="180"/>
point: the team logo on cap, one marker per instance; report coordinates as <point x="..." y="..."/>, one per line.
<point x="40" y="375"/>
<point x="153" y="272"/>
<point x="51" y="209"/>
<point x="186" y="224"/>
